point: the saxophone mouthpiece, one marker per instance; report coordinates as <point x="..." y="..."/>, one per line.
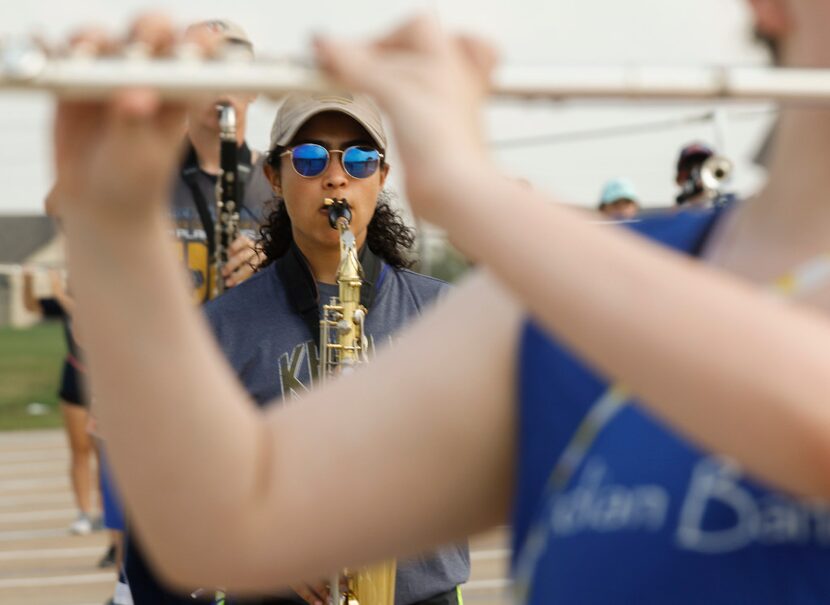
<point x="339" y="209"/>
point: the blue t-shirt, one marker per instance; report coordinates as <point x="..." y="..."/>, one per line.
<point x="274" y="355"/>
<point x="640" y="514"/>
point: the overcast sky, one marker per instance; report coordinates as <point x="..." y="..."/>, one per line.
<point x="542" y="32"/>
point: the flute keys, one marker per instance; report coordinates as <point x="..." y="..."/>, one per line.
<point x="188" y="51"/>
<point x="137" y="51"/>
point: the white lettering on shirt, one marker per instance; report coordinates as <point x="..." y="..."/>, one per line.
<point x="714" y="495"/>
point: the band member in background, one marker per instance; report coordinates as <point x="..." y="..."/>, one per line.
<point x="694" y="191"/>
<point x="326" y="147"/>
<point x="194" y="197"/>
<point x="73" y="398"/>
<point x="497" y="400"/>
<point x="687" y="176"/>
<point x="619" y="200"/>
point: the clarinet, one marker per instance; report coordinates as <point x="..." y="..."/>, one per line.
<point x="228" y="194"/>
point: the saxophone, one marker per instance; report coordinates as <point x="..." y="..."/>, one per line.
<point x="228" y="192"/>
<point x="343" y="345"/>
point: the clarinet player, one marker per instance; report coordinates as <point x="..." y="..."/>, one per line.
<point x="193" y="199"/>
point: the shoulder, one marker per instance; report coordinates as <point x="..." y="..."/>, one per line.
<point x="258" y="163"/>
<point x="180" y="191"/>
<point x="684" y="230"/>
<point x="252" y="297"/>
<point x="258" y="192"/>
<point x="257" y="158"/>
<point x="423" y="288"/>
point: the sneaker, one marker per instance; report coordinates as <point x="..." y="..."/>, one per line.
<point x="98" y="523"/>
<point x="81" y="526"/>
<point x="108" y="560"/>
<point x="122" y="594"/>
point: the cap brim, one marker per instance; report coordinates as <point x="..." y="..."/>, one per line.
<point x="319" y="108"/>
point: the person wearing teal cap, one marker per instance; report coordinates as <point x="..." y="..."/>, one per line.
<point x="619" y="200"/>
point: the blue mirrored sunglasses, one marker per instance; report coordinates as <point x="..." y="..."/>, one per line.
<point x="310" y="160"/>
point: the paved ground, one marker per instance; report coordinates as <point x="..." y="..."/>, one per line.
<point x="41" y="564"/>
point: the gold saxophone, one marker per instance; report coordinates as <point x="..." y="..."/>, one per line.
<point x="343" y="345"/>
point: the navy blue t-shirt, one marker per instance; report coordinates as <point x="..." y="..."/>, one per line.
<point x="643" y="516"/>
<point x="273" y="353"/>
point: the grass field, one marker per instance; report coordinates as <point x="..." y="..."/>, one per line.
<point x="30" y="364"/>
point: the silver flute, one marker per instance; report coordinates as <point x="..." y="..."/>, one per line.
<point x="26" y="67"/>
<point x="13" y="269"/>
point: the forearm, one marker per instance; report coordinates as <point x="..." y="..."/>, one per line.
<point x="739" y="372"/>
<point x="66" y="301"/>
<point x="199" y="467"/>
<point x="432" y="410"/>
<point x="178" y="428"/>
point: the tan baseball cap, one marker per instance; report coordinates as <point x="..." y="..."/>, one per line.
<point x="298" y="108"/>
<point x="231" y="33"/>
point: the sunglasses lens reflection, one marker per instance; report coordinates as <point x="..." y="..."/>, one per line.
<point x="361" y="162"/>
<point x="309" y="159"/>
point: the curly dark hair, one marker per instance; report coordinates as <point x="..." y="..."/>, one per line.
<point x="387" y="235"/>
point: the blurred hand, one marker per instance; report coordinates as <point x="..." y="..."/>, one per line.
<point x="432" y="86"/>
<point x="244" y="260"/>
<point x="114" y="158"/>
<point x="317" y="593"/>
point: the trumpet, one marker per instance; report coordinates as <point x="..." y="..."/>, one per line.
<point x="705" y="182"/>
<point x="25" y="66"/>
<point x="714" y="173"/>
<point x="14" y="269"/>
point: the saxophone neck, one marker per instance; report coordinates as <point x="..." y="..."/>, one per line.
<point x="349" y="269"/>
<point x="343" y="226"/>
<point x="340" y="218"/>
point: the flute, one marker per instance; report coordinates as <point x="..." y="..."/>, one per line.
<point x="28" y="68"/>
<point x="13" y="269"/>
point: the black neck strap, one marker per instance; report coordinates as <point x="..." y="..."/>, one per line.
<point x="301" y="288"/>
